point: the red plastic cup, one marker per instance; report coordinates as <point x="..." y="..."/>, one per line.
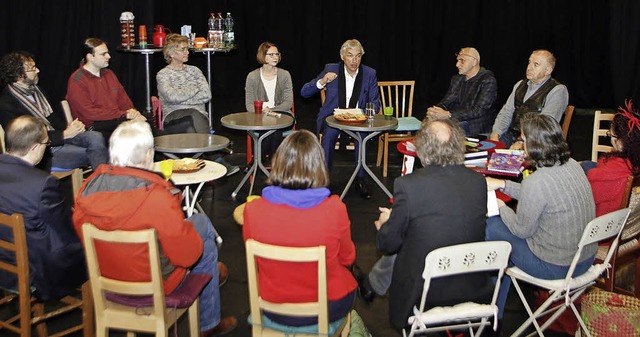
<point x="257" y="107"/>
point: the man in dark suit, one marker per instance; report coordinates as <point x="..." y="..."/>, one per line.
<point x="440" y="205"/>
<point x="56" y="258"/>
<point x="349" y="84"/>
<point x="71" y="145"/>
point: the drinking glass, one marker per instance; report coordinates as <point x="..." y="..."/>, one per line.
<point x="166" y="168"/>
<point x="370" y="110"/>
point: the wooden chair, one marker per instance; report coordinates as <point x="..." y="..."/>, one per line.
<point x="399" y="95"/>
<point x="150" y="318"/>
<point x="628" y="250"/>
<point x="31" y="311"/>
<point x="257" y="249"/>
<point x="600" y="132"/>
<point x="566" y="120"/>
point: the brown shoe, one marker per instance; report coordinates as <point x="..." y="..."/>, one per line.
<point x="223" y="274"/>
<point x="225" y="326"/>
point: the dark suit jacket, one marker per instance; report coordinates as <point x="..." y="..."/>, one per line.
<point x="368" y="93"/>
<point x="56" y="258"/>
<point x="433" y="207"/>
<point x="10" y="108"/>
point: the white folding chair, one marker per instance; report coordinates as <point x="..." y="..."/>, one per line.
<point x="454" y="260"/>
<point x="571" y="287"/>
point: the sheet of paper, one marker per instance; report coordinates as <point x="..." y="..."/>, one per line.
<point x="492" y="204"/>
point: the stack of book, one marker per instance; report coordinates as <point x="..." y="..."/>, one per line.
<point x="474" y="157"/>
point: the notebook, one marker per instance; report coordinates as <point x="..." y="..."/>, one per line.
<point x="506" y="161"/>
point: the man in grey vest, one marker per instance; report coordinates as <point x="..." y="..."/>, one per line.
<point x="540" y="93"/>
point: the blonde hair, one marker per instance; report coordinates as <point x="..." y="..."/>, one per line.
<point x="172" y="42"/>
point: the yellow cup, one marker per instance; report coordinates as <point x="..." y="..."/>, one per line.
<point x="166" y="168"/>
<point x="252" y="197"/>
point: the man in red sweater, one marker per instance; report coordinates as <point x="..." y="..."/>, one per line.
<point x="95" y="94"/>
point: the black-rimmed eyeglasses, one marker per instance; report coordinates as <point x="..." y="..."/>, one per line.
<point x="46" y="143"/>
<point x="273" y="54"/>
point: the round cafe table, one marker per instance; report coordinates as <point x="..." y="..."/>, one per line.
<point x="211" y="171"/>
<point x="373" y="128"/>
<point x="189" y="143"/>
<point x="249" y="121"/>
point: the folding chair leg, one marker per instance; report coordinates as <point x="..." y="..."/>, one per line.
<point x="532" y="315"/>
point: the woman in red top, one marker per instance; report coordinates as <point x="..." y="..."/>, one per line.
<point x="609" y="177"/>
<point x="297" y="210"/>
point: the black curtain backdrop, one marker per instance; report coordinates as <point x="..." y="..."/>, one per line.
<point x="596" y="42"/>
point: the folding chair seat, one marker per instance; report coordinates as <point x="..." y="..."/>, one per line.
<point x="262" y="325"/>
<point x="31" y="311"/>
<point x="455" y="260"/>
<point x="571" y="287"/>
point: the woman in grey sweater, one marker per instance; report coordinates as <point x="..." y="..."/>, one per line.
<point x="182" y="88"/>
<point x="555" y="204"/>
<point x="271" y="85"/>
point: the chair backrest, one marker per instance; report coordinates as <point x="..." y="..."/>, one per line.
<point x="156" y="111"/>
<point x="67" y="110"/>
<point x="17" y="247"/>
<point x="100" y="284"/>
<point x="599" y="229"/>
<point x="257" y="249"/>
<point x="465" y="258"/>
<point x="630" y="200"/>
<point x="599" y="132"/>
<point x="399" y="95"/>
<point x="566" y="120"/>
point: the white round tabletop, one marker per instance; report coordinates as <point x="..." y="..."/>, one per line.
<point x="211" y="171"/>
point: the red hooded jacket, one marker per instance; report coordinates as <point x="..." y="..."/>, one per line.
<point x="125" y="198"/>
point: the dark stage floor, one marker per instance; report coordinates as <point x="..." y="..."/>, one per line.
<point x="219" y="205"/>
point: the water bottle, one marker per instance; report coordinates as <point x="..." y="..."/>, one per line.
<point x="229" y="36"/>
<point x="210" y="33"/>
<point x="218" y="28"/>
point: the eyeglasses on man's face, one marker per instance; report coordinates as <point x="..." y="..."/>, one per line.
<point x="273" y="54"/>
<point x="29" y="68"/>
<point x="46" y="142"/>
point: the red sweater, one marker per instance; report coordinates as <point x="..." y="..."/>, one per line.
<point x="608" y="181"/>
<point x="144" y="200"/>
<point x="93" y="98"/>
<point x="324" y="224"/>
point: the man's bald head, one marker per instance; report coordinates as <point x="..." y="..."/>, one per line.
<point x="468" y="62"/>
<point x="470" y="51"/>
